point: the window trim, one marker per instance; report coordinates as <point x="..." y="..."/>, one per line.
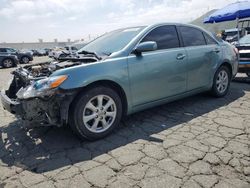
<point x="183" y="45"/>
<point x="180" y="43"/>
<point x="204" y="34"/>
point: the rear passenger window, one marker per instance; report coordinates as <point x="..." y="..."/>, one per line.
<point x="9" y="50"/>
<point x="192" y="36"/>
<point x="165" y="36"/>
<point x="209" y="39"/>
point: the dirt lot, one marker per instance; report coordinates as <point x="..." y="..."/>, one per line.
<point x="196" y="142"/>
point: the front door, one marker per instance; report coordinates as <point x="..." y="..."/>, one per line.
<point x="158" y="74"/>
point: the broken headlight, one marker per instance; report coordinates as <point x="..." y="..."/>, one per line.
<point x="44" y="87"/>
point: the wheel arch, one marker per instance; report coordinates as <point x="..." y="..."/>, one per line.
<point x="214" y="90"/>
<point x="7" y="58"/>
<point x="228" y="65"/>
<point x="111" y="84"/>
<point x="25" y="56"/>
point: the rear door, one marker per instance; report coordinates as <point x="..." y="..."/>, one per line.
<point x="203" y="55"/>
<point x="158" y="74"/>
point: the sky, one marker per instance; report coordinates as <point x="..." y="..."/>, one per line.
<point x="30" y="20"/>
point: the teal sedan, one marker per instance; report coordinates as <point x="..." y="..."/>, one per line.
<point x="120" y="73"/>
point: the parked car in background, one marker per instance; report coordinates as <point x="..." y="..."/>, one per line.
<point x="61" y="53"/>
<point x="54" y="51"/>
<point x="79" y="45"/>
<point x="27" y="51"/>
<point x="39" y="52"/>
<point x="243" y="47"/>
<point x="47" y="50"/>
<point x="35" y="52"/>
<point x="23" y="57"/>
<point x="120" y="73"/>
<point x="8" y="60"/>
<point x="232" y="34"/>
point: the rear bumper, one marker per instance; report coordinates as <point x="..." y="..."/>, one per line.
<point x="12" y="106"/>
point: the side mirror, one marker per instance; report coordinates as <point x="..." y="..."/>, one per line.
<point x="145" y="47"/>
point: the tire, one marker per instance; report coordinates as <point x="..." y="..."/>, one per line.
<point x="7" y="63"/>
<point x="25" y="59"/>
<point x="221" y="82"/>
<point x="91" y="119"/>
<point x="248" y="74"/>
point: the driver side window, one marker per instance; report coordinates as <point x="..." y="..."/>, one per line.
<point x="166" y="37"/>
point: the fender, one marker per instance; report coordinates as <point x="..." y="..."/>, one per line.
<point x="115" y="70"/>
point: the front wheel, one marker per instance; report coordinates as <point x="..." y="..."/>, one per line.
<point x="7" y="63"/>
<point x="96" y="113"/>
<point x="221" y="82"/>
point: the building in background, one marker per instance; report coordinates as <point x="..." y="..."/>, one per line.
<point x="35" y="45"/>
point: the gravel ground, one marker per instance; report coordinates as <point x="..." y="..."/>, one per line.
<point x="199" y="141"/>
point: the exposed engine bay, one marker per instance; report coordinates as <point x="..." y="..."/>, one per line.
<point x="47" y="68"/>
<point x="24" y="76"/>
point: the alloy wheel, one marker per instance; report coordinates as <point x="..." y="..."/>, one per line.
<point x="25" y="60"/>
<point x="7" y="63"/>
<point x="99" y="113"/>
<point x="222" y="81"/>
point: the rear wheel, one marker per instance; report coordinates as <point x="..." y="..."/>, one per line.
<point x="221" y="82"/>
<point x="96" y="113"/>
<point x="25" y="60"/>
<point x="7" y="63"/>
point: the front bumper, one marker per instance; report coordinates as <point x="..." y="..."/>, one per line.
<point x="16" y="61"/>
<point x="40" y="112"/>
<point x="244" y="67"/>
<point x="12" y="106"/>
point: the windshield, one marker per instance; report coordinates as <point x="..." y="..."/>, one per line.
<point x="231" y="33"/>
<point x="245" y="39"/>
<point x="112" y="42"/>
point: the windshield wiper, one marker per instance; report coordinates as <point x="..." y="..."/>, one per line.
<point x="90" y="53"/>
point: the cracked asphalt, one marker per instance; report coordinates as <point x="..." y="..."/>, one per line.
<point x="196" y="142"/>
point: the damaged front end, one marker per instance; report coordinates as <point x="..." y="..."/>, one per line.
<point x="35" y="96"/>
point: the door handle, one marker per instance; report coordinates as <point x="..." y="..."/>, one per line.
<point x="180" y="56"/>
<point x="216" y="50"/>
